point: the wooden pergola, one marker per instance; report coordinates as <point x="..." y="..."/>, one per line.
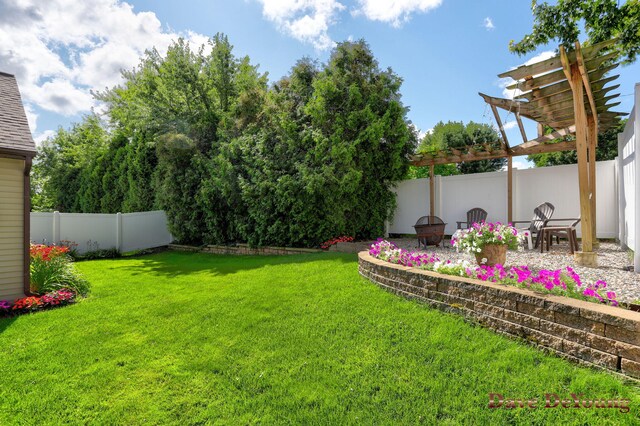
<point x="566" y="93"/>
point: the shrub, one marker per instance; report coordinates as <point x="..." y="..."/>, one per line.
<point x="52" y="269"/>
<point x="111" y="253"/>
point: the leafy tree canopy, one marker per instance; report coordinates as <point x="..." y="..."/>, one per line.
<point x="601" y="20"/>
<point x="199" y="134"/>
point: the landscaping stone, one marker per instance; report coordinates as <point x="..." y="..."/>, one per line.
<point x="579" y="331"/>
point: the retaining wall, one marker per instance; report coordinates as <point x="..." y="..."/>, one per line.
<point x="581" y="331"/>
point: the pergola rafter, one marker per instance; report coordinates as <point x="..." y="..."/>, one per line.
<point x="567" y="93"/>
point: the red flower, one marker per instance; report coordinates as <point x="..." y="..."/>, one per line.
<point x="41" y="251"/>
<point x="329" y="243"/>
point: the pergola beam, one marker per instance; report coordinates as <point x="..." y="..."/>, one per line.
<point x="587" y="87"/>
<point x="533" y="147"/>
<point x="554" y="62"/>
<point x="544" y="148"/>
<point x="521" y="127"/>
<point x="506" y="104"/>
<point x="505" y="141"/>
<point x="555" y="76"/>
<point x="562" y="87"/>
<point x="448" y="159"/>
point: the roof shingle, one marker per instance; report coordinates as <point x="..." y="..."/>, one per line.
<point x="14" y="127"/>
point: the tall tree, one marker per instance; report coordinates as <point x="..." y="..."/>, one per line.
<point x="365" y="137"/>
<point x="601" y="19"/>
<point x="63" y="162"/>
<point x="207" y="97"/>
<point x="457" y="135"/>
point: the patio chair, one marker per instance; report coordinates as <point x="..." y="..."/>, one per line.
<point x="474" y="215"/>
<point x="541" y="215"/>
<point x="565" y="230"/>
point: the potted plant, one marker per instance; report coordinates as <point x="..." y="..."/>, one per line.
<point x="488" y="242"/>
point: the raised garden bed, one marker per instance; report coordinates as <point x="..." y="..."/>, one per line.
<point x="586" y="332"/>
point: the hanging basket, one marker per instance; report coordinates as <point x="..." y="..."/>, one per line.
<point x="493" y="253"/>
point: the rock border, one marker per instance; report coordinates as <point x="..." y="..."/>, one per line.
<point x="604" y="336"/>
<point x="243" y="249"/>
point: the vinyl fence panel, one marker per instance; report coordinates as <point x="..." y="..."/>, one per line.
<point x="455" y="195"/>
<point x="629" y="182"/>
<point x="125" y="232"/>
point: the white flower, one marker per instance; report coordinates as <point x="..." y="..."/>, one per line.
<point x="484" y="260"/>
<point x="478" y="250"/>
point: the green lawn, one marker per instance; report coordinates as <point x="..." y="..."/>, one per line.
<point x="179" y="338"/>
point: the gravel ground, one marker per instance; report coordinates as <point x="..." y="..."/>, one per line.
<point x="611" y="258"/>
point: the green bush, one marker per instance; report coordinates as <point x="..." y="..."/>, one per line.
<point x="51" y="269"/>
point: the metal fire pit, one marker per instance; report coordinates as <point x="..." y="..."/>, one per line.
<point x="430" y="230"/>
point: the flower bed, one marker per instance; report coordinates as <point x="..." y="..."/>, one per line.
<point x="562" y="282"/>
<point x="333" y="241"/>
<point x="54" y="282"/>
<point x="28" y="304"/>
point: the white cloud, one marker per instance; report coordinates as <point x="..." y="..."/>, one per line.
<point x="394" y="12"/>
<point x="488" y="24"/>
<point x="510" y="125"/>
<point x="421" y="133"/>
<point x="39" y="138"/>
<point x="309" y="20"/>
<point x="305" y="20"/>
<point x="60" y="50"/>
<point x="542" y="56"/>
<point x="32" y="117"/>
<point x="520" y="165"/>
<point x="504" y="82"/>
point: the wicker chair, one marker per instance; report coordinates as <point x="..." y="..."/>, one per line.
<point x="541" y="215"/>
<point x="430" y="230"/>
<point x="474" y="215"/>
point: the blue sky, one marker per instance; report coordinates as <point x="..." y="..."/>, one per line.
<point x="445" y="50"/>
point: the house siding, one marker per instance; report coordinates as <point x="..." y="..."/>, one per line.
<point x="11" y="228"/>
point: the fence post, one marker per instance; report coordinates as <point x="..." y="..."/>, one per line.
<point x="438" y="200"/>
<point x="119" y="231"/>
<point x="56" y="228"/>
<point x="620" y="192"/>
<point x="636" y="160"/>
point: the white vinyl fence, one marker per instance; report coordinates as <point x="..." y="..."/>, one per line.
<point x="629" y="182"/>
<point x="125" y="232"/>
<point x="455" y="195"/>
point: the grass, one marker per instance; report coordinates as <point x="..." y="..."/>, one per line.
<point x="180" y="338"/>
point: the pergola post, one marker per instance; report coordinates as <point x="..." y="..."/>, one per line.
<point x="592" y="140"/>
<point x="566" y="94"/>
<point x="432" y="193"/>
<point x="586" y="257"/>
